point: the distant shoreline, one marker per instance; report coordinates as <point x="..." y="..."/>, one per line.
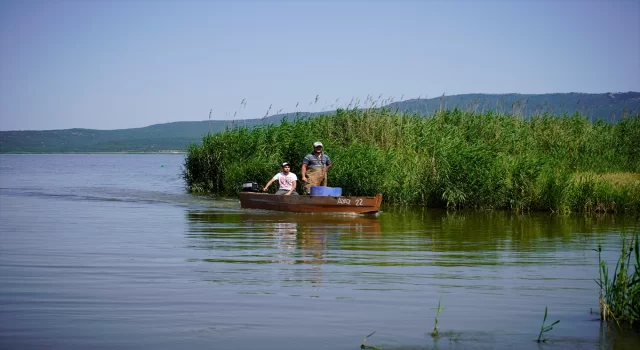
<point x="54" y="153"/>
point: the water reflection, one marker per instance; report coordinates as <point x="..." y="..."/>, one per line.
<point x="399" y="237"/>
<point x="278" y="238"/>
<point x="145" y="273"/>
<point x="469" y="231"/>
<point x="493" y="270"/>
<point x="298" y="238"/>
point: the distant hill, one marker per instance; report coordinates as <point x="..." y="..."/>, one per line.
<point x="174" y="136"/>
<point x="178" y="135"/>
<point x="609" y="106"/>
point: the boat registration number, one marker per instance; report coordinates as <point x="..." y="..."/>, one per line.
<point x="347" y="201"/>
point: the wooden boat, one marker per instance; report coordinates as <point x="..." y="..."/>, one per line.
<point x="311" y="204"/>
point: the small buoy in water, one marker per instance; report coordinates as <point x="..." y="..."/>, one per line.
<point x="162" y="166"/>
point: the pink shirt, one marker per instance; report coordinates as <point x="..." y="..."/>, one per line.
<point x="285" y="181"/>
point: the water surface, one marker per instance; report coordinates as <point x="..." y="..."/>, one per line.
<point x="109" y="251"/>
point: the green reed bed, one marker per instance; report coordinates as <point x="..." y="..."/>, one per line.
<point x="620" y="290"/>
<point x="451" y="159"/>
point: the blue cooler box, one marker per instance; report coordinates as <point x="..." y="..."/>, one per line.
<point x="326" y="191"/>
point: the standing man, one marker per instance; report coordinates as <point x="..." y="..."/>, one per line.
<point x="286" y="179"/>
<point x="314" y="168"/>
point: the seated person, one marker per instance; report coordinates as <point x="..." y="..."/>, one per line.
<point x="286" y="179"/>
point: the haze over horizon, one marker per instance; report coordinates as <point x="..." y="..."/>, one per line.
<point x="125" y="64"/>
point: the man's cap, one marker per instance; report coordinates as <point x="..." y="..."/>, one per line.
<point x="285" y="164"/>
<point x="317" y="143"/>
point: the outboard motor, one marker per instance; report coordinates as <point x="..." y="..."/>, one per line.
<point x="250" y="187"/>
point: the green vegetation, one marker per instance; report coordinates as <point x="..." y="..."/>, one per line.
<point x="436" y="330"/>
<point x="620" y="292"/>
<point x="453" y="158"/>
<point x="545" y="329"/>
<point x="370" y="347"/>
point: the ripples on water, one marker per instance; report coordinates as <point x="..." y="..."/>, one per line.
<point x="109" y="251"/>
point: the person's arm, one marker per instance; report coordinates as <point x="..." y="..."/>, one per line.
<point x="303" y="172"/>
<point x="267" y="185"/>
<point x="293" y="188"/>
<point x="328" y="163"/>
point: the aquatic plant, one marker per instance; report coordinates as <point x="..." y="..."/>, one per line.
<point x="545" y="329"/>
<point x="454" y="336"/>
<point x="619" y="298"/>
<point x="436" y="331"/>
<point x="452" y="158"/>
<point x="371" y="347"/>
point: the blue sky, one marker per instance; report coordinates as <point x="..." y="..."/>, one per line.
<point x="132" y="63"/>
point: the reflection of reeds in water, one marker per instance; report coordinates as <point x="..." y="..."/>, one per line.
<point x="470" y="231"/>
<point x="453" y="336"/>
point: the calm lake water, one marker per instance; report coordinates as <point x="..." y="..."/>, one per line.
<point x="109" y="251"/>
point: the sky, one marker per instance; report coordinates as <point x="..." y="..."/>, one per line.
<point x="132" y="63"/>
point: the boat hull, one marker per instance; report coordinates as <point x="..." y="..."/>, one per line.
<point x="311" y="204"/>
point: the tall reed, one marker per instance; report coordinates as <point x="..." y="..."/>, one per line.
<point x="452" y="158"/>
<point x="620" y="291"/>
<point x="545" y="329"/>
<point x="436" y="328"/>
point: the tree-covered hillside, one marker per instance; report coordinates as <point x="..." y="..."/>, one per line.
<point x="609" y="106"/>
